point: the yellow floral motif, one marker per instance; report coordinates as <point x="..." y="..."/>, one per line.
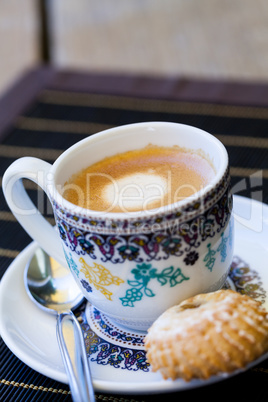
<point x="100" y="277"/>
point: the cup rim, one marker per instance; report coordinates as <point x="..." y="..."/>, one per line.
<point x="143" y="214"/>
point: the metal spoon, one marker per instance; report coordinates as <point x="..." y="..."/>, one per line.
<point x="52" y="288"/>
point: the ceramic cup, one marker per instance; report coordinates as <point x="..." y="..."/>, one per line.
<point x="132" y="266"/>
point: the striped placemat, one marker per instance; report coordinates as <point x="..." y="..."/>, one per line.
<point x="63" y="111"/>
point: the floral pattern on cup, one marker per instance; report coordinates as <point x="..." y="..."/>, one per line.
<point x="178" y="240"/>
<point x="95" y="275"/>
<point x="99" y="277"/>
<point x="143" y="274"/>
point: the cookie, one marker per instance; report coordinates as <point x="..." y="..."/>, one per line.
<point x="206" y="335"/>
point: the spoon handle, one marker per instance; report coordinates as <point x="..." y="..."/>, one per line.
<point x="73" y="352"/>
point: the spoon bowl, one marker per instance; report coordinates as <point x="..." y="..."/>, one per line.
<point x="53" y="289"/>
<point x="50" y="285"/>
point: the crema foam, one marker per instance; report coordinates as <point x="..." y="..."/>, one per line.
<point x="139" y="180"/>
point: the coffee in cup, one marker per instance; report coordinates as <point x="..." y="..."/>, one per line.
<point x="140" y="179"/>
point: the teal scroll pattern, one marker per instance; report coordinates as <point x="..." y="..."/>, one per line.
<point x="210" y="257"/>
<point x="71" y="263"/>
<point x="143" y="274"/>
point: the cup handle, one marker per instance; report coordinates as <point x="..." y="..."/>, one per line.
<point x="23" y="208"/>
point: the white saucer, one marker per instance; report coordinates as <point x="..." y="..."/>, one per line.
<point x="31" y="333"/>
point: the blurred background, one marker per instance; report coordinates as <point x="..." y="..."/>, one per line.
<point x="218" y="39"/>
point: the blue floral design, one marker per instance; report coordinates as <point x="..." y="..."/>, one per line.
<point x="143" y="274"/>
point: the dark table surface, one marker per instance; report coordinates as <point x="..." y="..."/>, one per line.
<point x="46" y="111"/>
